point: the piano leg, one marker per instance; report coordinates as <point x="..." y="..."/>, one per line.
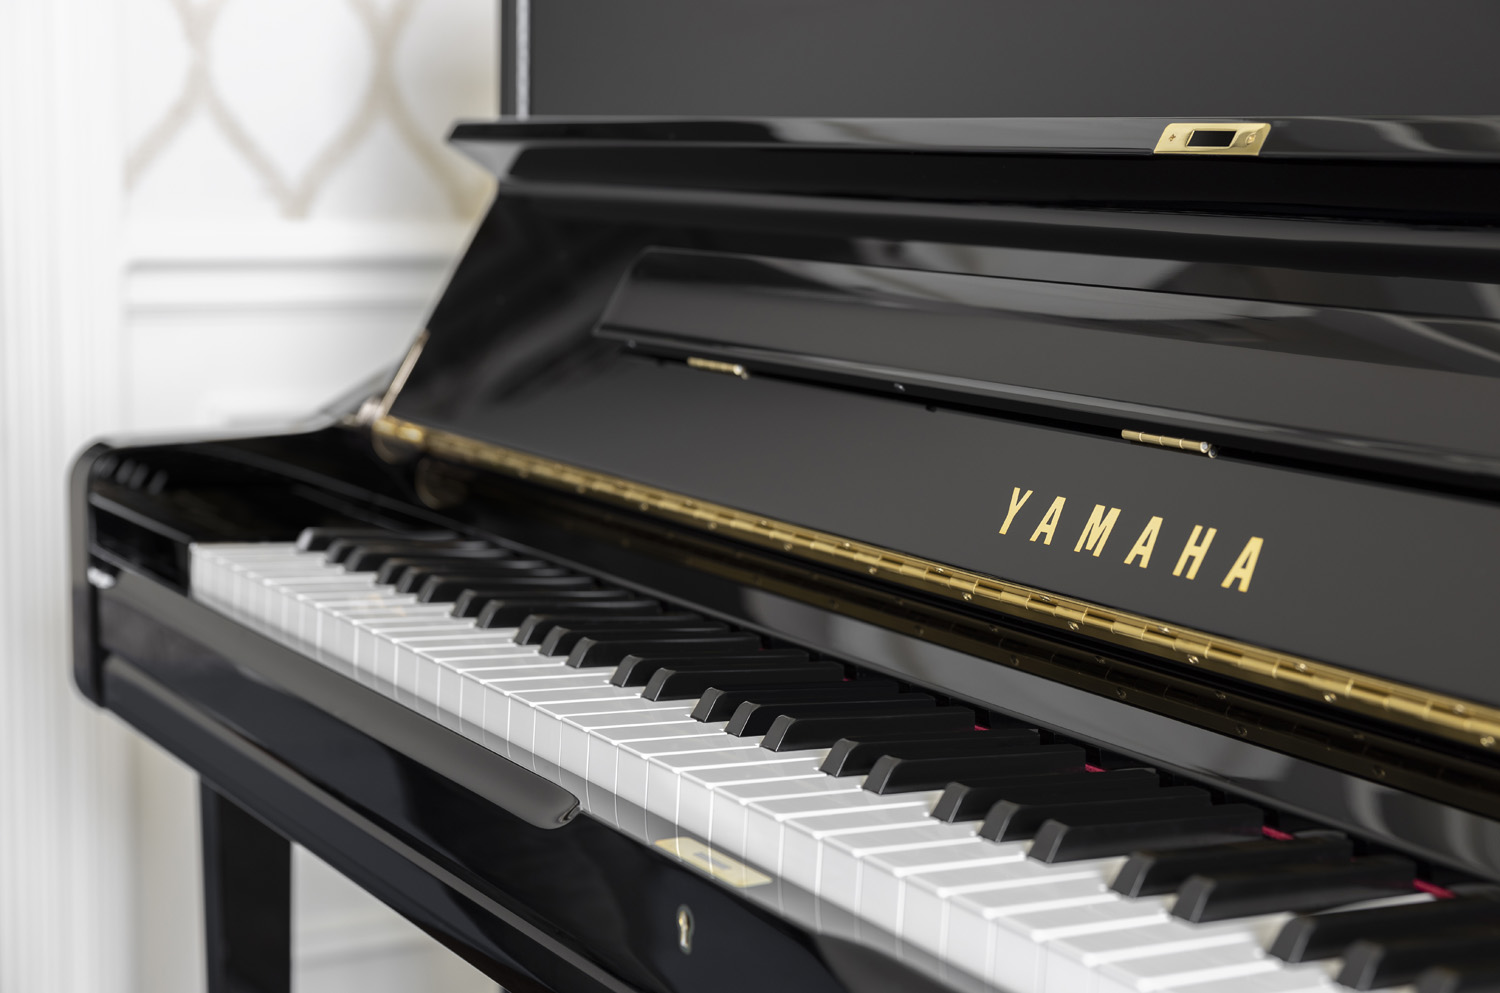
<point x="247" y="899"/>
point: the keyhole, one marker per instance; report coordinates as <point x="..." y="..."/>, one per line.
<point x="685" y="929"/>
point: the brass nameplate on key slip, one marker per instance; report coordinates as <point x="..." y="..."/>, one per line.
<point x="731" y="872"/>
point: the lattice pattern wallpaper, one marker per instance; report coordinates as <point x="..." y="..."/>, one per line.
<point x="305" y="109"/>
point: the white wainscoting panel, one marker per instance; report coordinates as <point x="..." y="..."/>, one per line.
<point x="64" y="825"/>
<point x="265" y="322"/>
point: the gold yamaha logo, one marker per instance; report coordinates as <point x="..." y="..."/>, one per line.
<point x="1101" y="523"/>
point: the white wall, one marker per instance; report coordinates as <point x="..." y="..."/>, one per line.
<point x="291" y="206"/>
<point x="212" y="212"/>
<point x="64" y="827"/>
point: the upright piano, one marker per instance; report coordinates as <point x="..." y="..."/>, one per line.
<point x="856" y="554"/>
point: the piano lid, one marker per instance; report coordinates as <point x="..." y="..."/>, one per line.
<point x="936" y="388"/>
<point x="1445" y="138"/>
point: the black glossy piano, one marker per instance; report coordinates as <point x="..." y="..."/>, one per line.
<point x="871" y="554"/>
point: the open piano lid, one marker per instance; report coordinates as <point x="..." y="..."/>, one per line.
<point x="939" y="331"/>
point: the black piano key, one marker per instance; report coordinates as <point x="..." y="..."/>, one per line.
<point x="318" y="539"/>
<point x="561" y="639"/>
<point x="1312" y="937"/>
<point x="1219" y="896"/>
<point x="1474" y="976"/>
<point x="856" y="755"/>
<point x="1013" y="820"/>
<point x="627" y="615"/>
<point x="755" y="717"/>
<point x="447" y="589"/>
<point x="511" y="611"/>
<point x="671" y="683"/>
<point x="1375" y="964"/>
<point x="637" y="670"/>
<point x="367" y="556"/>
<point x="408" y="572"/>
<point x="1077" y="839"/>
<point x="557" y="636"/>
<point x="719" y="704"/>
<point x="1152" y="872"/>
<point x="373" y="558"/>
<point x="592" y="651"/>
<point x="893" y="774"/>
<point x="970" y="801"/>
<point x="788" y="733"/>
<point x="471" y="602"/>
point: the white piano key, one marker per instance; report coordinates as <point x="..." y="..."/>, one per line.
<point x="450" y="669"/>
<point x="633" y="759"/>
<point x="765" y="820"/>
<point x="408" y="649"/>
<point x="411" y="652"/>
<point x="369" y="625"/>
<point x="844" y="868"/>
<point x="1284" y="979"/>
<point x="977" y="940"/>
<point x="377" y="652"/>
<point x="403" y="653"/>
<point x="564" y="740"/>
<point x="1217" y="964"/>
<point x="1077" y="960"/>
<point x="443" y="675"/>
<point x="729" y="807"/>
<point x="681" y="787"/>
<point x="521" y="708"/>
<point x="882" y="893"/>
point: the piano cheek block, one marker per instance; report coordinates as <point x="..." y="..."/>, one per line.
<point x="519" y="791"/>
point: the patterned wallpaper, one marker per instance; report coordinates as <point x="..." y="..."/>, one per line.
<point x="305" y="109"/>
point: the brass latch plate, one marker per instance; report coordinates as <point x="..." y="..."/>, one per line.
<point x="1233" y="138"/>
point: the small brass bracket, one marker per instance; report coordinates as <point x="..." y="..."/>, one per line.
<point x="1234" y="138"/>
<point x="714" y="365"/>
<point x="1163" y="441"/>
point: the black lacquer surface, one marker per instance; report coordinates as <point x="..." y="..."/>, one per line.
<point x="1007" y="58"/>
<point x="1364" y="510"/>
<point x="1326" y="315"/>
<point x="1279" y="374"/>
<point x="1278" y="757"/>
<point x="577" y="908"/>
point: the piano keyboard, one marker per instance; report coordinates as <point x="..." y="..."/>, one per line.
<point x="989" y="857"/>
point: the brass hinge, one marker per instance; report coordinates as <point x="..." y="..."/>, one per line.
<point x="714" y="365"/>
<point x="1163" y="441"/>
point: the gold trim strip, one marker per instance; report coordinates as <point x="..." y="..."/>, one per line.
<point x="1232" y="138"/>
<point x="1452" y="718"/>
